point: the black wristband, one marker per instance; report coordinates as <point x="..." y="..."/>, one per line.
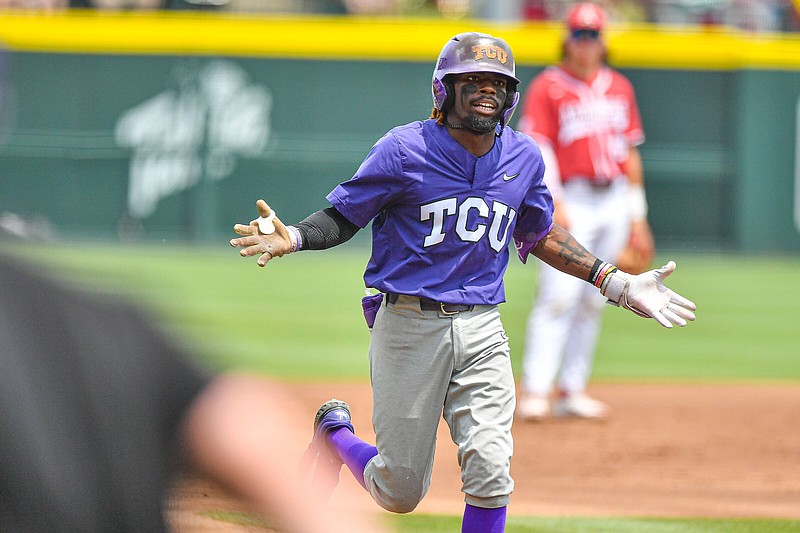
<point x="593" y="272"/>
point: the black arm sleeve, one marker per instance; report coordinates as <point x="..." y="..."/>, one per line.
<point x="325" y="229"/>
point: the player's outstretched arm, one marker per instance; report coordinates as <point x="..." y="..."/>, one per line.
<point x="265" y="236"/>
<point x="268" y="237"/>
<point x="644" y="294"/>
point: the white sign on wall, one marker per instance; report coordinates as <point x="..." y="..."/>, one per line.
<point x="192" y="131"/>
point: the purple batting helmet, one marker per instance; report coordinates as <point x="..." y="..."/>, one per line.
<point x="474" y="52"/>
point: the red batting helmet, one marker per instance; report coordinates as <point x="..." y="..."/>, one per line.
<point x="586" y="16"/>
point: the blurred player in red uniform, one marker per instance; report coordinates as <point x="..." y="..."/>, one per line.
<point x="584" y="116"/>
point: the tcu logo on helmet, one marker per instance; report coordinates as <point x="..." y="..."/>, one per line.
<point x="490" y="51"/>
<point x="495" y="218"/>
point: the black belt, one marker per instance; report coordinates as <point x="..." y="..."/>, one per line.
<point x="427" y="304"/>
<point x="596" y="183"/>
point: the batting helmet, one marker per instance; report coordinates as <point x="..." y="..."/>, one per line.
<point x="474" y="52"/>
<point x="586" y="16"/>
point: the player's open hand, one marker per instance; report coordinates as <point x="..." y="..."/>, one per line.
<point x="647" y="296"/>
<point x="265" y="236"/>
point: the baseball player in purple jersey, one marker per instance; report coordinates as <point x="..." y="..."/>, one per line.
<point x="445" y="196"/>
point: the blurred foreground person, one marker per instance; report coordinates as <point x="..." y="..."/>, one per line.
<point x="101" y="410"/>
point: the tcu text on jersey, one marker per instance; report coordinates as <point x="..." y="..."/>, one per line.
<point x="498" y="219"/>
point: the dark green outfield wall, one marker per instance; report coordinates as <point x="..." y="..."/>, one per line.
<point x="179" y="146"/>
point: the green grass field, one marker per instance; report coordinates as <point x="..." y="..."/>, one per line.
<point x="300" y="319"/>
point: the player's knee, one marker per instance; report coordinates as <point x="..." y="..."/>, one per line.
<point x="407" y="497"/>
<point x="403" y="503"/>
<point x="405" y="494"/>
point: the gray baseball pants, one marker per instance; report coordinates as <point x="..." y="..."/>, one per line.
<point x="423" y="365"/>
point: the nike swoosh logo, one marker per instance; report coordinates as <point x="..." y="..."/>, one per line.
<point x="506" y="177"/>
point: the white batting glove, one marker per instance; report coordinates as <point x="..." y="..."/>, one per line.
<point x="647" y="296"/>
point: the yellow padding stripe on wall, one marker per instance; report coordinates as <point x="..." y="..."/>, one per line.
<point x="356" y="38"/>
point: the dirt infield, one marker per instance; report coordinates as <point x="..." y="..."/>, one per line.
<point x="667" y="450"/>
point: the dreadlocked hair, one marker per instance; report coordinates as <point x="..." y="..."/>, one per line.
<point x="439" y="115"/>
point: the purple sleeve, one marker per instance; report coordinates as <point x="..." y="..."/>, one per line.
<point x="535" y="217"/>
<point x="524" y="247"/>
<point x="376" y="183"/>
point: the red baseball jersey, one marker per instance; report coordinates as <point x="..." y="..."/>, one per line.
<point x="589" y="125"/>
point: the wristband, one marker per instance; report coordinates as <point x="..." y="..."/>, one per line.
<point x="600" y="271"/>
<point x="637" y="201"/>
<point x="295" y="238"/>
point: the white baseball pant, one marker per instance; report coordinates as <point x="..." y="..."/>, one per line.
<point x="565" y="321"/>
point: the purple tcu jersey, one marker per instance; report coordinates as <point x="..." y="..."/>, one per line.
<point x="441" y="217"/>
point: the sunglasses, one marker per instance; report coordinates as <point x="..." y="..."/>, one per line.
<point x="579" y="35"/>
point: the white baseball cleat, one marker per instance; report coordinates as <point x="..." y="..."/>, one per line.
<point x="580" y="406"/>
<point x="532" y="407"/>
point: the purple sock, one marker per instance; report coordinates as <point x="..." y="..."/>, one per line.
<point x="354" y="452"/>
<point x="482" y="520"/>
